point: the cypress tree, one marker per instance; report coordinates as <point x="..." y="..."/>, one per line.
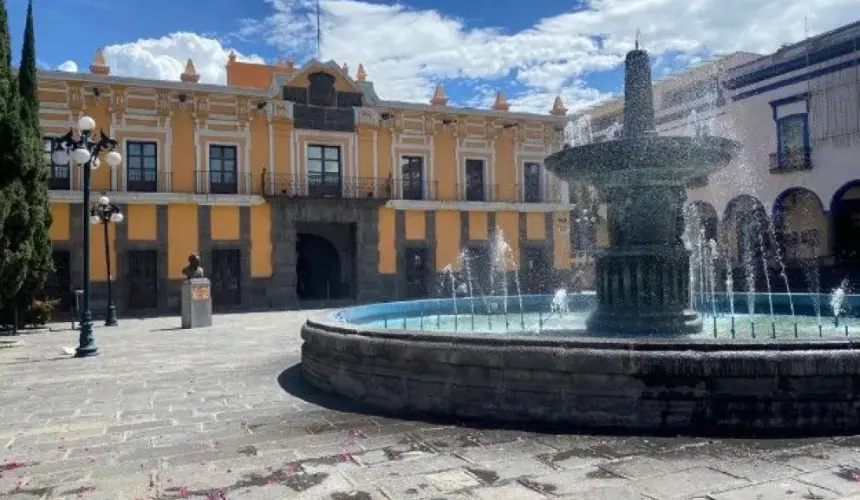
<point x="36" y="172"/>
<point x="15" y="232"/>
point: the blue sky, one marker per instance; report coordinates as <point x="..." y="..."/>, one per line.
<point x="530" y="50"/>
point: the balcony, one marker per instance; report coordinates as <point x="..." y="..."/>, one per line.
<point x="286" y="185"/>
<point x="538" y="193"/>
<point x="215" y="182"/>
<point x="794" y="160"/>
<point x="415" y="190"/>
<point x="60" y="178"/>
<point x="472" y="191"/>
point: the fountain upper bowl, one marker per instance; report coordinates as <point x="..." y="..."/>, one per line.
<point x="644" y="160"/>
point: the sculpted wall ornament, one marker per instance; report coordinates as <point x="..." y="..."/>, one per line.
<point x="163" y="102"/>
<point x="75" y="96"/>
<point x="367" y="116"/>
<point x="280" y="110"/>
<point x="118" y="100"/>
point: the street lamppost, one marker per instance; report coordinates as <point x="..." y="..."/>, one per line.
<point x="85" y="151"/>
<point x="105" y="212"/>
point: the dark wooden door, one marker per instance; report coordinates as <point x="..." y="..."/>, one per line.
<point x="225" y="277"/>
<point x="536" y="270"/>
<point x="142" y="279"/>
<point x="416" y="270"/>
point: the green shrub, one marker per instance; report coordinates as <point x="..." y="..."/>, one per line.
<point x="39" y="313"/>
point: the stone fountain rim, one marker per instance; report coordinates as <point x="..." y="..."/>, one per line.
<point x="326" y="322"/>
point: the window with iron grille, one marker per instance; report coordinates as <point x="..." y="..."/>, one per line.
<point x="223" y="175"/>
<point x="324" y="170"/>
<point x="532" y="192"/>
<point x="60" y="175"/>
<point x="412" y="175"/>
<point x="141" y="160"/>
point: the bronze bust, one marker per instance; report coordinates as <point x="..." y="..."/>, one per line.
<point x="193" y="269"/>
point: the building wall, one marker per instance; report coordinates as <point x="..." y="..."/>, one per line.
<point x="185" y="216"/>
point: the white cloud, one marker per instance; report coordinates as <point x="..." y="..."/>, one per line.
<point x="406" y="51"/>
<point x="68" y="67"/>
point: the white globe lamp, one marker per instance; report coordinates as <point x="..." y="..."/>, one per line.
<point x="86" y="124"/>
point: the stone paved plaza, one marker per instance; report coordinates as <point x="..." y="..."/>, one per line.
<point x="222" y="413"/>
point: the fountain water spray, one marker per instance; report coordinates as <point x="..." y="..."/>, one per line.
<point x="764" y="267"/>
<point x="837" y="297"/>
<point x="777" y="249"/>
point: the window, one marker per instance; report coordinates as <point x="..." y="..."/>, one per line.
<point x="321" y="90"/>
<point x="792" y="151"/>
<point x="60" y="177"/>
<point x="532" y="186"/>
<point x="412" y="173"/>
<point x="141" y="159"/>
<point x="475" y="180"/>
<point x="222" y="169"/>
<point x="324" y="177"/>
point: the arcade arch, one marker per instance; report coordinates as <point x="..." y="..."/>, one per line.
<point x="799" y="218"/>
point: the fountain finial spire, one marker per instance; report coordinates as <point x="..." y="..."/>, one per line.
<point x="638" y="34"/>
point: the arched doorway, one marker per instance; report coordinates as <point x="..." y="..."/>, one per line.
<point x="707" y="217"/>
<point x="318" y="269"/>
<point x="845" y="210"/>
<point x="798" y="217"/>
<point x="744" y="219"/>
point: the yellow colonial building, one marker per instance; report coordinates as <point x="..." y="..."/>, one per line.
<point x="299" y="184"/>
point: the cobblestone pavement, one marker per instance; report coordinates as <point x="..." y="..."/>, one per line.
<point x="221" y="413"/>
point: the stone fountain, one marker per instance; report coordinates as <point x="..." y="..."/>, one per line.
<point x="643" y="277"/>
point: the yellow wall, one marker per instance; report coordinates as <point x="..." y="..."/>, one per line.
<point x="261" y="241"/>
<point x="142" y="222"/>
<point x="447" y="238"/>
<point x="506" y="171"/>
<point x="98" y="265"/>
<point x="181" y="237"/>
<point x="415" y="223"/>
<point x="535" y="226"/>
<point x="509" y="223"/>
<point x="224" y="223"/>
<point x="445" y="166"/>
<point x="477" y="225"/>
<point x="60" y="230"/>
<point x="183" y="160"/>
<point x="387" y="246"/>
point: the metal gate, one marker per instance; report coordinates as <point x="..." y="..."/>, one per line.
<point x="142" y="279"/>
<point x="226" y="272"/>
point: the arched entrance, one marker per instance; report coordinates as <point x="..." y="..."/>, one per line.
<point x="744" y="219"/>
<point x="318" y="269"/>
<point x="707" y="216"/>
<point x="798" y="216"/>
<point x="845" y="210"/>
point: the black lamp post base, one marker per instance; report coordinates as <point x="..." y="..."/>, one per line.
<point x="87" y="352"/>
<point x="110" y="317"/>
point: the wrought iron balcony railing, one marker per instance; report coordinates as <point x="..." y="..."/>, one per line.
<point x="310" y="186"/>
<point x="793" y="160"/>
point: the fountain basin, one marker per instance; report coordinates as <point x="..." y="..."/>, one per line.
<point x="692" y="384"/>
<point x="649" y="160"/>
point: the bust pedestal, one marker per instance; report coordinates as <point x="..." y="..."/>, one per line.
<point x="196" y="303"/>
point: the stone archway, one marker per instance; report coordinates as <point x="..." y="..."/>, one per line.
<point x="707" y="217"/>
<point x="744" y="217"/>
<point x="318" y="270"/>
<point x="845" y="212"/>
<point x="800" y="222"/>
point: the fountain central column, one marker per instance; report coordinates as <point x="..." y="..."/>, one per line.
<point x="643" y="278"/>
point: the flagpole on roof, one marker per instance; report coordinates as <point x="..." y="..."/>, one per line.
<point x="319" y="33"/>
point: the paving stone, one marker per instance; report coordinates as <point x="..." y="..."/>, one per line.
<point x="205" y="410"/>
<point x="777" y="490"/>
<point x="687" y="483"/>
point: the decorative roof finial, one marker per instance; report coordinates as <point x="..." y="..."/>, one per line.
<point x="439" y="98"/>
<point x="558" y="108"/>
<point x="361" y="75"/>
<point x="232" y="58"/>
<point x="345" y="69"/>
<point x="99" y="66"/>
<point x="290" y="65"/>
<point x="501" y="103"/>
<point x="190" y="74"/>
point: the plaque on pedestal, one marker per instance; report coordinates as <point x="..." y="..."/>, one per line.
<point x="196" y="303"/>
<point x="196" y="297"/>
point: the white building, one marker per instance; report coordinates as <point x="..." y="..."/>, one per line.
<point x="797" y="114"/>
